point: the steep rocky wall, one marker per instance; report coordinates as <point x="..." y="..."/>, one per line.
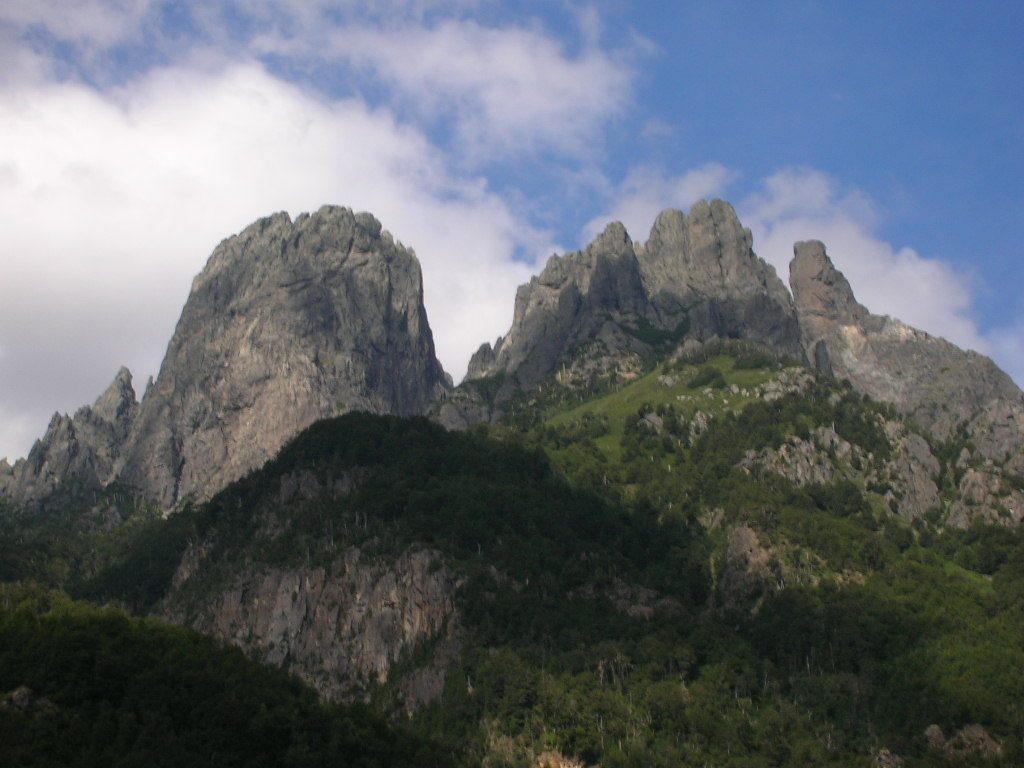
<point x="289" y="322"/>
<point x="339" y="628"/>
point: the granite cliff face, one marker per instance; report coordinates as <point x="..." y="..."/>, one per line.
<point x="288" y="323"/>
<point x="938" y="384"/>
<point x="696" y="277"/>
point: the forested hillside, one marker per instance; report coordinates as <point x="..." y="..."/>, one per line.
<point x="720" y="560"/>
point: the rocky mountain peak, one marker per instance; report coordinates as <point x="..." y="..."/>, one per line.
<point x="118" y="404"/>
<point x="819" y="289"/>
<point x="706" y="252"/>
<point x="290" y="322"/>
<point x="942" y="386"/>
<point x="696" y="272"/>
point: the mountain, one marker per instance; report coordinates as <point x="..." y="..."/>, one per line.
<point x="941" y="386"/>
<point x="604" y="313"/>
<point x="696" y="277"/>
<point x="656" y="576"/>
<point x="289" y="322"/>
<point x="696" y="520"/>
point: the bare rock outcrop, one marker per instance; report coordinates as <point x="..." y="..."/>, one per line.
<point x="289" y="322"/>
<point x="697" y="275"/>
<point x="984" y="495"/>
<point x="938" y="384"/>
<point x="701" y="266"/>
<point x="749" y="568"/>
<point x="970" y="741"/>
<point x="338" y="628"/>
<point x="78" y="453"/>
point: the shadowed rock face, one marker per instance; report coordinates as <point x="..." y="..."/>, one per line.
<point x="568" y="304"/>
<point x="337" y="628"/>
<point x="289" y="322"/>
<point x="697" y="270"/>
<point x="940" y="385"/>
<point x="83" y="449"/>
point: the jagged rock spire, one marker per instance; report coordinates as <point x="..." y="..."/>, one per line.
<point x="939" y="384"/>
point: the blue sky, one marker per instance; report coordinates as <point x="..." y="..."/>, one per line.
<point x="135" y="134"/>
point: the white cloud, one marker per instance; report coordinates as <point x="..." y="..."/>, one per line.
<point x="111" y="205"/>
<point x="509" y="90"/>
<point x="805" y="204"/>
<point x="646" y="191"/>
<point x="92" y="23"/>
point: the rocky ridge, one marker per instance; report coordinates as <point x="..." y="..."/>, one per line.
<point x="696" y="277"/>
<point x="84" y="449"/>
<point x="936" y="383"/>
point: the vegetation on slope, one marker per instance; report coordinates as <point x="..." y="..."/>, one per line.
<point x="82" y="686"/>
<point x="632" y="597"/>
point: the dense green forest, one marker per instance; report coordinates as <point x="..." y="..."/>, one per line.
<point x="605" y="612"/>
<point x="88" y="686"/>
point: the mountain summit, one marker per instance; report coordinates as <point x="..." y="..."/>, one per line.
<point x="940" y="385"/>
<point x="288" y="323"/>
<point x="696" y="277"/>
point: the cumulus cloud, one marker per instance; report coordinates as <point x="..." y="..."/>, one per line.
<point x="507" y="90"/>
<point x="646" y="191"/>
<point x="112" y="202"/>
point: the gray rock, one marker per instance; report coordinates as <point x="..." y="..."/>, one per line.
<point x="78" y="454"/>
<point x="938" y="384"/>
<point x="481" y="361"/>
<point x="568" y="305"/>
<point x="749" y="569"/>
<point x="998" y="433"/>
<point x="697" y="270"/>
<point x="289" y="322"/>
<point x="912" y="473"/>
<point x="702" y="267"/>
<point x="341" y="628"/>
<point x="984" y="496"/>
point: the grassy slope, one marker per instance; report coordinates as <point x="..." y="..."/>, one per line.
<point x="620" y="406"/>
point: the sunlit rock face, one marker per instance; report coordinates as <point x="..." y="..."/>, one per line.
<point x="940" y="385"/>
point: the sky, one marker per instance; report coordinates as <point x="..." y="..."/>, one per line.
<point x="135" y="135"/>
